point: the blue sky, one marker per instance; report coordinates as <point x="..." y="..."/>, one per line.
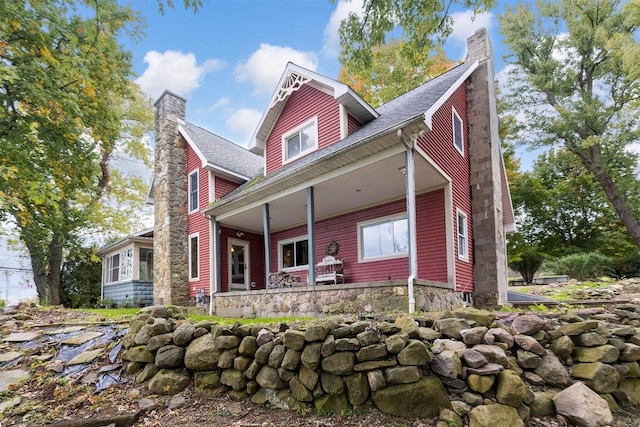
<point x="226" y="59"/>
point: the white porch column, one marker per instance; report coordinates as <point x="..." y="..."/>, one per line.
<point x="411" y="220"/>
<point x="217" y="276"/>
<point x="311" y="276"/>
<point x="266" y="223"/>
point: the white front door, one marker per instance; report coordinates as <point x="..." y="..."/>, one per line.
<point x="238" y="251"/>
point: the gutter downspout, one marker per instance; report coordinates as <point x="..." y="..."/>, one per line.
<point x="411" y="216"/>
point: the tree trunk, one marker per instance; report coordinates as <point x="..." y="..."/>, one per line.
<point x="593" y="162"/>
<point x="47" y="280"/>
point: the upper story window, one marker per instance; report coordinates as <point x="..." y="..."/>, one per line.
<point x="458" y="136"/>
<point x="300" y="141"/>
<point x="383" y="238"/>
<point x="463" y="236"/>
<point x="194" y="201"/>
<point x="294" y="253"/>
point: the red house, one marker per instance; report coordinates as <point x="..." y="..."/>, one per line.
<point x="337" y="206"/>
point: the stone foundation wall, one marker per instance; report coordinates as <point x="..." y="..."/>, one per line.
<point x="467" y="367"/>
<point x="327" y="300"/>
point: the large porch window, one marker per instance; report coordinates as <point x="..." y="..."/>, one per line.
<point x="383" y="238"/>
<point x="294" y="253"/>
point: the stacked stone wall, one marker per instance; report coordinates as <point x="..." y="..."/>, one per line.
<point x="468" y="367"/>
<point x="329" y="300"/>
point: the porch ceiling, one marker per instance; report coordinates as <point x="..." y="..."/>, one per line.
<point x="355" y="189"/>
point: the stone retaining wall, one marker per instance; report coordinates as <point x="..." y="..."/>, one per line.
<point x="328" y="300"/>
<point x="468" y="367"/>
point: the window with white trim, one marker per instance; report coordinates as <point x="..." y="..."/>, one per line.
<point x="194" y="201"/>
<point x="300" y="141"/>
<point x="194" y="257"/>
<point x="383" y="238"/>
<point x="458" y="133"/>
<point x="463" y="236"/>
<point x="293" y="253"/>
<point x="120" y="266"/>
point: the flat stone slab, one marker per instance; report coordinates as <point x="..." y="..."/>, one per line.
<point x="9" y="356"/>
<point x="82" y="338"/>
<point x="66" y="330"/>
<point x="23" y="336"/>
<point x="86" y="357"/>
<point x="15" y="376"/>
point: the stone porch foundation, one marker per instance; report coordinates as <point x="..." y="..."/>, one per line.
<point x="329" y="300"/>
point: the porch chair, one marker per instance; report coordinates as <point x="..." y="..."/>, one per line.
<point x="330" y="269"/>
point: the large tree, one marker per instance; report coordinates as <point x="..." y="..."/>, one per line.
<point x="573" y="86"/>
<point x="389" y="74"/>
<point x="67" y="109"/>
<point x="423" y="25"/>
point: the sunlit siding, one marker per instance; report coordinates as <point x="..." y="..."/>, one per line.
<point x="223" y="187"/>
<point x="344" y="231"/>
<point x="352" y="124"/>
<point x="256" y="257"/>
<point x="198" y="223"/>
<point x="438" y="144"/>
<point x="301" y="106"/>
<point x="431" y="236"/>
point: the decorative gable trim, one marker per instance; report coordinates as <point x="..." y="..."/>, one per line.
<point x="293" y="78"/>
<point x="290" y="84"/>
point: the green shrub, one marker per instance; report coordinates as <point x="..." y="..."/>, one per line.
<point x="584" y="266"/>
<point x="527" y="263"/>
<point x="627" y="265"/>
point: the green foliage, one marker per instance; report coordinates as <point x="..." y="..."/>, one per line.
<point x="583" y="266"/>
<point x="81" y="278"/>
<point x="627" y="265"/>
<point x="67" y="109"/>
<point x="527" y="262"/>
<point x="423" y="24"/>
<point x="389" y="74"/>
<point x="576" y="88"/>
<point x="562" y="209"/>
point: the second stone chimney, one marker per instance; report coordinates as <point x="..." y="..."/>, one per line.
<point x="170" y="274"/>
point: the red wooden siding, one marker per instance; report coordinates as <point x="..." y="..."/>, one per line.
<point x="352" y="124"/>
<point x="432" y="261"/>
<point x="256" y="257"/>
<point x="223" y="186"/>
<point x="198" y="223"/>
<point x="431" y="236"/>
<point x="438" y="144"/>
<point x="301" y="106"/>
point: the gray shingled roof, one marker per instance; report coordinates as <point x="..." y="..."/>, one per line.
<point x="223" y="153"/>
<point x="392" y="114"/>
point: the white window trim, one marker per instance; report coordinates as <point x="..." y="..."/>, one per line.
<point x="455" y="114"/>
<point x="197" y="278"/>
<point x="281" y="243"/>
<point x="195" y="172"/>
<point x="379" y="220"/>
<point x="109" y="268"/>
<point x="465" y="256"/>
<point x="314" y="122"/>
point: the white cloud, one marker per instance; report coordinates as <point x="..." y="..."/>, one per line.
<point x="244" y="122"/>
<point x="464" y="24"/>
<point x="331" y="43"/>
<point x="174" y="70"/>
<point x="265" y="66"/>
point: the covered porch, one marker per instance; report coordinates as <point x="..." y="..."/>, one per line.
<point x="348" y="197"/>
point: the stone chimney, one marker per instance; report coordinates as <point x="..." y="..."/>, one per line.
<point x="170" y="274"/>
<point x="490" y="267"/>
